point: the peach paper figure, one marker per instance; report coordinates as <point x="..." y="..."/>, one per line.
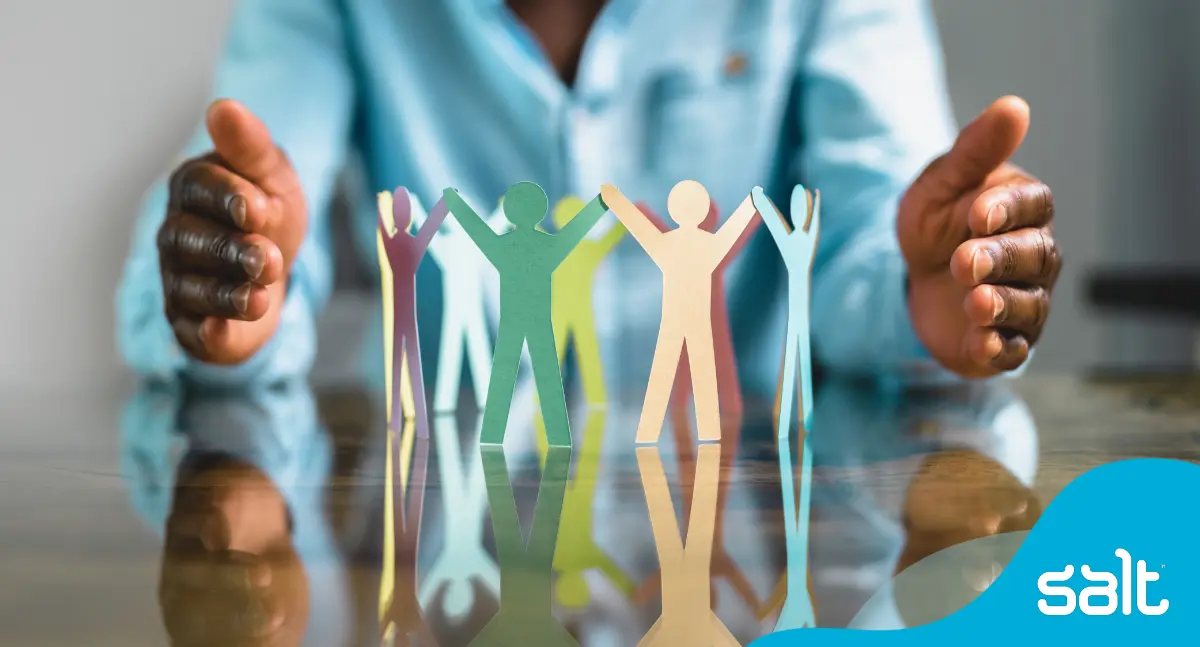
<point x="464" y="321"/>
<point x="687" y="256"/>
<point x="572" y="312"/>
<point x="728" y="387"/>
<point x="463" y="560"/>
<point x="525" y="259"/>
<point x="685" y="561"/>
<point x="404" y="252"/>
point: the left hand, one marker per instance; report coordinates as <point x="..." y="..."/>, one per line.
<point x="976" y="233"/>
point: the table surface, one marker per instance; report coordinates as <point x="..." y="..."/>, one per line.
<point x="175" y="517"/>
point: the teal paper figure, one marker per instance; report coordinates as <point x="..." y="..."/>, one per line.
<point x="404" y="253"/>
<point x="463" y="559"/>
<point x="526" y="616"/>
<point x="525" y="259"/>
<point x="798" y="247"/>
<point x="464" y="322"/>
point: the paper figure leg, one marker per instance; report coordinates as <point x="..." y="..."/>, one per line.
<point x="562" y="332"/>
<point x="548" y="379"/>
<point x="727" y="375"/>
<point x="450" y="356"/>
<point x="591" y="367"/>
<point x="658" y="389"/>
<point x="704" y="385"/>
<point x="503" y="381"/>
<point x="416" y="381"/>
<point x="787" y="389"/>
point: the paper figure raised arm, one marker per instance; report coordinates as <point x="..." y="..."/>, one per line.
<point x="525" y="259"/>
<point x="400" y="255"/>
<point x="688" y="256"/>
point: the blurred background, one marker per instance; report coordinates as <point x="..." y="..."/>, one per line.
<point x="99" y="98"/>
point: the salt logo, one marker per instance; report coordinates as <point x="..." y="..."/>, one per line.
<point x="1113" y="591"/>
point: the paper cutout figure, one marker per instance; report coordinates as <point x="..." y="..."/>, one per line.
<point x="464" y="321"/>
<point x="798" y="247"/>
<point x="687" y="256"/>
<point x="572" y="313"/>
<point x="687" y="614"/>
<point x="723" y="565"/>
<point x="404" y="252"/>
<point x="577" y="552"/>
<point x="400" y="620"/>
<point x="729" y="389"/>
<point x="463" y="560"/>
<point x="525" y="259"/>
<point x="525" y="616"/>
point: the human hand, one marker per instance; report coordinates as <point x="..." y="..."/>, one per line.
<point x="977" y="236"/>
<point x="229" y="572"/>
<point x="235" y="220"/>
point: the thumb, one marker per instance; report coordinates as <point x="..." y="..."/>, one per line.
<point x="244" y="143"/>
<point x="982" y="146"/>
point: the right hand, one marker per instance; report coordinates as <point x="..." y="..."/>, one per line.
<point x="235" y="221"/>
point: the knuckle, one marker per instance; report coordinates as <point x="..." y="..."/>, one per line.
<point x="1008" y="261"/>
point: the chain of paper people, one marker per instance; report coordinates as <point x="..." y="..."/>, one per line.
<point x="545" y="300"/>
<point x="546" y="282"/>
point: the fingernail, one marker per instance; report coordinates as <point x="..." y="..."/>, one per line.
<point x="981" y="264"/>
<point x="997" y="306"/>
<point x="241" y="298"/>
<point x="253" y="260"/>
<point x="237" y="210"/>
<point x="997" y="217"/>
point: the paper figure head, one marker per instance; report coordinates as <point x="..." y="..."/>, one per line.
<point x="805" y="204"/>
<point x="688" y="203"/>
<point x="566" y="209"/>
<point x="401" y="210"/>
<point x="525" y="205"/>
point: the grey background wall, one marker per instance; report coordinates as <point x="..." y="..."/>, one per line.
<point x="99" y="97"/>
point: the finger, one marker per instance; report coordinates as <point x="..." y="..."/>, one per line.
<point x="202" y="186"/>
<point x="1024" y="256"/>
<point x="1023" y="310"/>
<point x="988" y="348"/>
<point x="981" y="147"/>
<point x="244" y="144"/>
<point x="202" y="245"/>
<point x="199" y="296"/>
<point x="190" y="333"/>
<point x="1011" y="206"/>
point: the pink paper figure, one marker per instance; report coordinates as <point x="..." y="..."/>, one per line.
<point x="404" y="253"/>
<point x="729" y="389"/>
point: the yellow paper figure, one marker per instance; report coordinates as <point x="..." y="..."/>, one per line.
<point x="571" y="305"/>
<point x="687" y="256"/>
<point x="577" y="552"/>
<point x="687" y="614"/>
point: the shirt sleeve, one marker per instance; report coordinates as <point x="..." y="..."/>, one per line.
<point x="287" y="61"/>
<point x="874" y="111"/>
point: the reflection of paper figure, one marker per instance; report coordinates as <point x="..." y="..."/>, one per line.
<point x="687" y="256"/>
<point x="403" y="252"/>
<point x="577" y="551"/>
<point x="723" y="565"/>
<point x="400" y="611"/>
<point x="464" y="322"/>
<point x="525" y="616"/>
<point x="792" y="597"/>
<point x="685" y="561"/>
<point x="573" y="318"/>
<point x="728" y="388"/>
<point x="463" y="558"/>
<point x="525" y="259"/>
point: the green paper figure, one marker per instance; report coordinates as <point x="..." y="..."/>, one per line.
<point x="572" y="312"/>
<point x="525" y="616"/>
<point x="525" y="259"/>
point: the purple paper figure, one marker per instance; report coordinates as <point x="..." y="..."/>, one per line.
<point x="404" y="253"/>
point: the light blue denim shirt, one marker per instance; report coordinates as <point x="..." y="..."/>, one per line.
<point x="844" y="96"/>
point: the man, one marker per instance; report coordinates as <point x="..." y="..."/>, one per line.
<point x="953" y="268"/>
